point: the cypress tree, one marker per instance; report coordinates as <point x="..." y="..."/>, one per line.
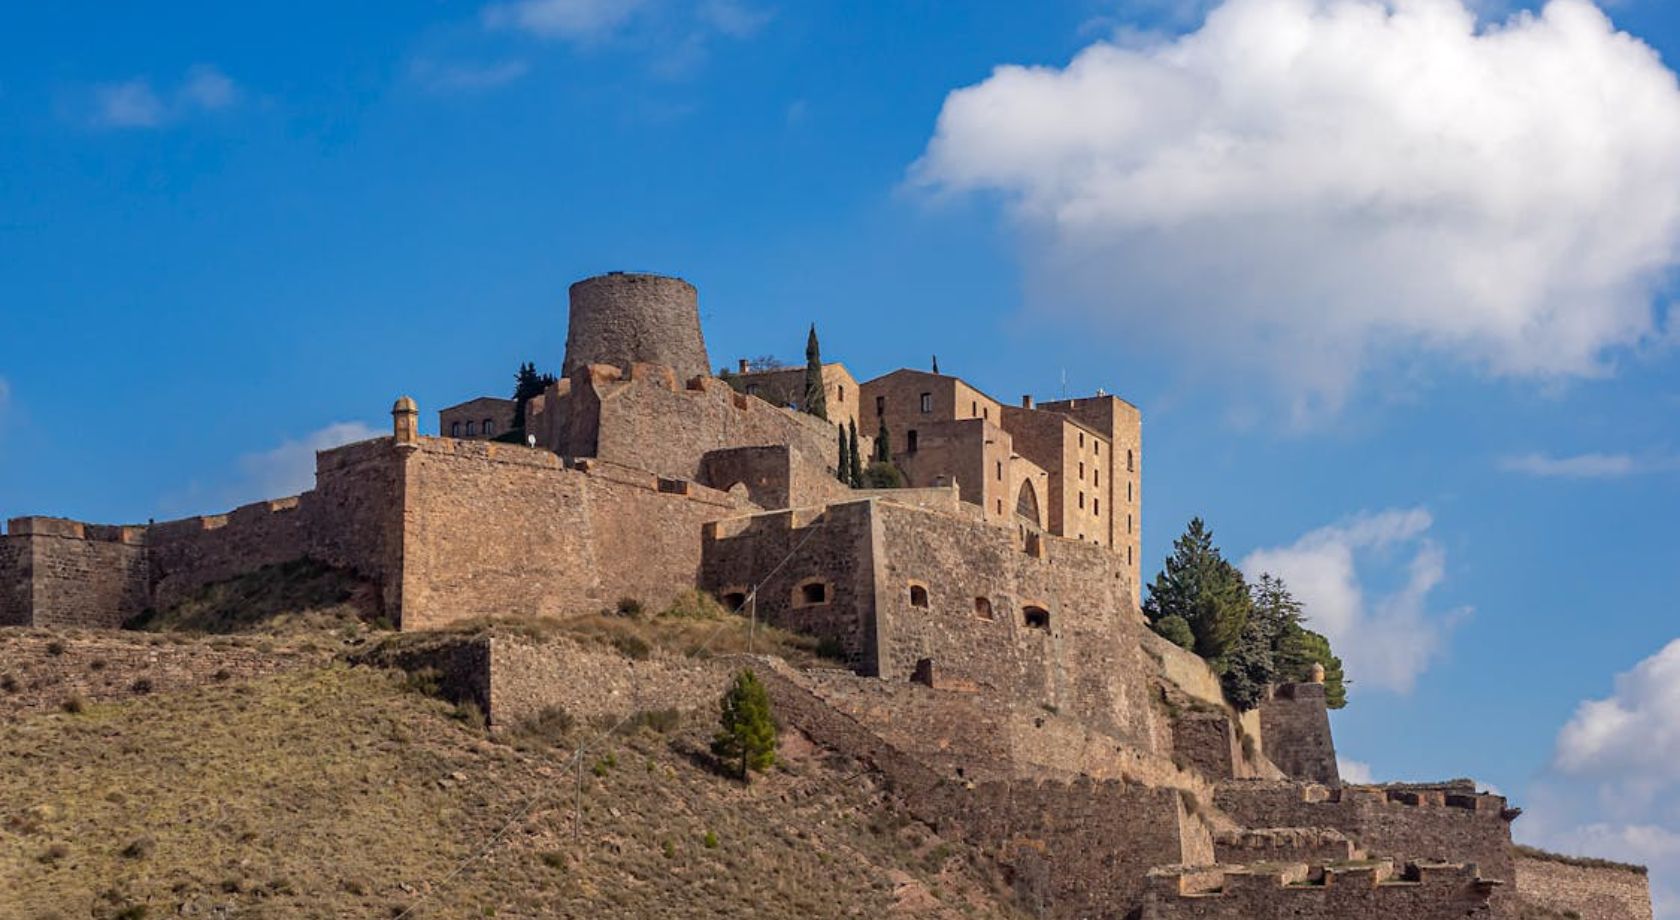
<point x="746" y="732"/>
<point x="843" y="466"/>
<point x="854" y="474"/>
<point x="883" y="445"/>
<point x="527" y="383"/>
<point x="816" y="400"/>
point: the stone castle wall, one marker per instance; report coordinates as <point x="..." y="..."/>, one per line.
<point x="1296" y="726"/>
<point x="622" y="318"/>
<point x="1591" y="889"/>
<point x="1280" y="892"/>
<point x="70" y="574"/>
<point x="1416" y="823"/>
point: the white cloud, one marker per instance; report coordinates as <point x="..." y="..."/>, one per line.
<point x="1310" y="187"/>
<point x="1354" y="771"/>
<point x="136" y="103"/>
<point x="441" y="77"/>
<point x="1613" y="787"/>
<point x="563" y="19"/>
<point x="1587" y="466"/>
<point x="734" y="18"/>
<point x="1386" y="640"/>
<point x="290" y="468"/>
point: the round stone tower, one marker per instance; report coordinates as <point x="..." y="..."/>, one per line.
<point x="620" y="318"/>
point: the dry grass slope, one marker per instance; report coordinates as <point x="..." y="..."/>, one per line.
<point x="336" y="792"/>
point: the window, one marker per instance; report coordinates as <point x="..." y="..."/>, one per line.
<point x="1128" y="555"/>
<point x="910" y="440"/>
<point x="983" y="608"/>
<point x="1036" y="617"/>
<point x="1097" y="446"/>
<point x="918" y="596"/>
<point x="1082" y="499"/>
<point x="1000" y="470"/>
<point x="1082" y="439"/>
<point x="986" y="413"/>
<point x="840" y="393"/>
<point x="880" y="405"/>
<point x="1130" y="465"/>
<point x="469" y="429"/>
<point x="812" y="593"/>
<point x="1128" y="491"/>
<point x="1081" y="471"/>
<point x="734" y="601"/>
<point x="1096" y="476"/>
<point x="974" y="409"/>
<point x="454" y="429"/>
<point x="927" y="402"/>
<point x="1128" y="523"/>
<point x="1096" y="506"/>
<point x="487" y="427"/>
<point x="752" y="389"/>
<point x="1000" y="506"/>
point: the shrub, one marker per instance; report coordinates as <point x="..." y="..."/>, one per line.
<point x="554" y="859"/>
<point x="141" y="686"/>
<point x="469" y="714"/>
<point x="139" y="848"/>
<point x="882" y="475"/>
<point x="660" y="720"/>
<point x="74" y="705"/>
<point x="222" y="674"/>
<point x="1176" y="630"/>
<point x="696" y="605"/>
<point x="97" y="664"/>
<point x="551" y="725"/>
<point x="633" y="647"/>
<point x="8" y="683"/>
<point x="710" y="841"/>
<point x="670" y="848"/>
<point x="628" y="607"/>
<point x="55" y="648"/>
<point x="53" y="853"/>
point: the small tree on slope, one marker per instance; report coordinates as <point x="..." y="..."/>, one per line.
<point x="747" y="732"/>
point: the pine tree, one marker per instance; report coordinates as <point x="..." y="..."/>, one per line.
<point x="1199" y="585"/>
<point x="1295" y="649"/>
<point x="527" y="383"/>
<point x="1275" y="610"/>
<point x="1248" y="668"/>
<point x="843" y="466"/>
<point x="816" y="400"/>
<point x="747" y="732"/>
<point x="854" y="474"/>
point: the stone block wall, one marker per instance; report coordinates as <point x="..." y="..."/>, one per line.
<point x="1592" y="889"/>
<point x="1448" y="822"/>
<point x="782" y="553"/>
<point x="70" y="574"/>
<point x="1295" y="723"/>
<point x="774" y="477"/>
<point x="1278" y="892"/>
<point x="1317" y="845"/>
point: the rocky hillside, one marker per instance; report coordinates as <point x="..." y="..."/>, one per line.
<point x="325" y="789"/>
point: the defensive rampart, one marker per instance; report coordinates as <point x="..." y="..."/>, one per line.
<point x="1589" y="888"/>
<point x="1426" y="891"/>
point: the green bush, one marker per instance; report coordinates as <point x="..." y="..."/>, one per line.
<point x="634" y="647"/>
<point x="747" y="731"/>
<point x="1175" y="630"/>
<point x="628" y="607"/>
<point x="882" y="475"/>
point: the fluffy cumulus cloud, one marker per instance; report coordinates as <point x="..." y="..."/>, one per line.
<point x="137" y="103"/>
<point x="1386" y="638"/>
<point x="1613" y="788"/>
<point x="289" y="468"/>
<point x="1317" y="186"/>
<point x="1588" y="466"/>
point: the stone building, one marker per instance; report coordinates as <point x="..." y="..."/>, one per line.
<point x="1000" y="674"/>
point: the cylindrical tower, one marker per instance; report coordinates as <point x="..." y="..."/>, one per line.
<point x="620" y="318"/>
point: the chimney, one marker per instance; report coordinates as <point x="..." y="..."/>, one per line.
<point x="1026" y="401"/>
<point x="742" y="365"/>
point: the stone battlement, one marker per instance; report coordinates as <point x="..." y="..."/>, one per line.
<point x="35" y="526"/>
<point x="1422" y="890"/>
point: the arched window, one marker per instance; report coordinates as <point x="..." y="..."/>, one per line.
<point x="1036" y="617"/>
<point x="489" y="427"/>
<point x="1026" y="503"/>
<point x="454" y="429"/>
<point x="812" y="592"/>
<point x="733" y="601"/>
<point x="918" y="596"/>
<point x="469" y="429"/>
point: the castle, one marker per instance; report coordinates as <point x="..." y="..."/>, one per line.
<point x="1000" y="673"/>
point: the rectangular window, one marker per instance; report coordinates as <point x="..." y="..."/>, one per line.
<point x="927" y="402"/>
<point x="974" y="409"/>
<point x="1082" y="439"/>
<point x="910" y="441"/>
<point x="1081" y="471"/>
<point x="1129" y="491"/>
<point x="1082" y="499"/>
<point x="1000" y="506"/>
<point x="840" y="392"/>
<point x="1128" y="555"/>
<point x="1096" y="476"/>
<point x="1000" y="470"/>
<point x="1096" y="506"/>
<point x="1130" y="465"/>
<point x="987" y="413"/>
<point x="1097" y="446"/>
<point x="1128" y="523"/>
<point x="880" y="405"/>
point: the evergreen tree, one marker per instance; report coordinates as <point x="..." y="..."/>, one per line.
<point x="843" y="466"/>
<point x="527" y="383"/>
<point x="936" y="364"/>
<point x="1208" y="592"/>
<point x="883" y="444"/>
<point x="747" y="732"/>
<point x="1275" y="610"/>
<point x="1305" y="648"/>
<point x="816" y="400"/>
<point x="854" y="474"/>
<point x="1248" y="668"/>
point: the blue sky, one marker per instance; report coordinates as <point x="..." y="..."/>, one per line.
<point x="1399" y="329"/>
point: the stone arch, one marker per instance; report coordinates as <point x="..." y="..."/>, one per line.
<point x="813" y="592"/>
<point x="1026" y="503"/>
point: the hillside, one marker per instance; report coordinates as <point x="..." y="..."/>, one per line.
<point x="330" y="790"/>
